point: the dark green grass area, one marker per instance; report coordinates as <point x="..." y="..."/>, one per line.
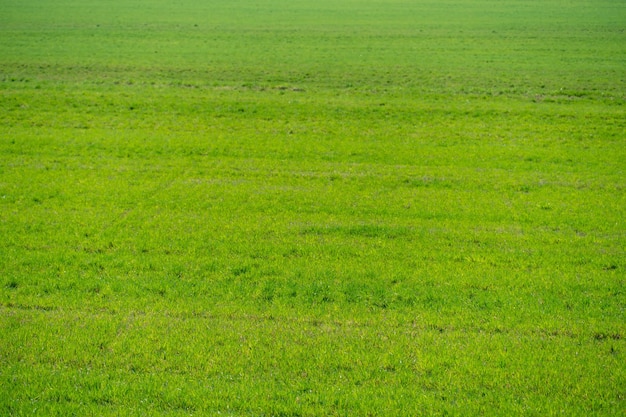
<point x="312" y="208"/>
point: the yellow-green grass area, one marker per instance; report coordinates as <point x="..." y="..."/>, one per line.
<point x="272" y="208"/>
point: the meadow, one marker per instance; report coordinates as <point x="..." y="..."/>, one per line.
<point x="312" y="208"/>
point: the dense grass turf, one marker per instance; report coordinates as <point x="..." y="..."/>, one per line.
<point x="302" y="208"/>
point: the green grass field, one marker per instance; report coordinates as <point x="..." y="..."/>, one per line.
<point x="312" y="208"/>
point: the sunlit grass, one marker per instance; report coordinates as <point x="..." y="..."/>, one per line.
<point x="358" y="208"/>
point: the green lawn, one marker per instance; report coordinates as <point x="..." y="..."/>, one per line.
<point x="312" y="208"/>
